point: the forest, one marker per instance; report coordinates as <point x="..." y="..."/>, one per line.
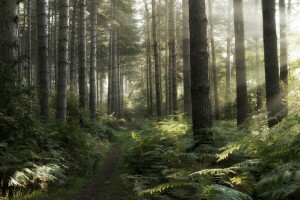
<point x="149" y="100"/>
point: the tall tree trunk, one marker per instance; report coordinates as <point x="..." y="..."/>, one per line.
<point x="214" y="65"/>
<point x="283" y="57"/>
<point x="202" y="118"/>
<point x="228" y="61"/>
<point x="258" y="62"/>
<point x="109" y="94"/>
<point x="157" y="65"/>
<point x="29" y="61"/>
<point x="149" y="63"/>
<point x="8" y="41"/>
<point x="93" y="59"/>
<point x="271" y="63"/>
<point x="170" y="89"/>
<point x="63" y="42"/>
<point x="42" y="51"/>
<point x="241" y="80"/>
<point x="172" y="43"/>
<point x="82" y="54"/>
<point x="55" y="56"/>
<point x="73" y="47"/>
<point x="186" y="59"/>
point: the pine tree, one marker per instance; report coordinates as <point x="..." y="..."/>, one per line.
<point x="82" y="54"/>
<point x="186" y="59"/>
<point x="241" y="80"/>
<point x="93" y="59"/>
<point x="202" y="119"/>
<point x="271" y="63"/>
<point x="42" y="59"/>
<point x="63" y="42"/>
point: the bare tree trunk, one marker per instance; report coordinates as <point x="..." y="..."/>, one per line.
<point x="93" y="59"/>
<point x="73" y="47"/>
<point x="109" y="94"/>
<point x="29" y="62"/>
<point x="258" y="62"/>
<point x="241" y="80"/>
<point x="186" y="59"/>
<point x="283" y="57"/>
<point x="82" y="54"/>
<point x="214" y="65"/>
<point x="271" y="63"/>
<point x="149" y="63"/>
<point x="202" y="118"/>
<point x="55" y="56"/>
<point x="172" y="43"/>
<point x="42" y="51"/>
<point x="8" y="41"/>
<point x="170" y="89"/>
<point x="228" y="62"/>
<point x="61" y="102"/>
<point x="157" y="65"/>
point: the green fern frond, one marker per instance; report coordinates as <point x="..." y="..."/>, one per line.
<point x="220" y="192"/>
<point x="229" y="149"/>
<point x="217" y="172"/>
<point x="162" y="187"/>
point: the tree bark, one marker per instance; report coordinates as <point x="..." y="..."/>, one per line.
<point x="186" y="59"/>
<point x="172" y="43"/>
<point x="42" y="54"/>
<point x="8" y="41"/>
<point x="258" y="62"/>
<point x="283" y="57"/>
<point x="73" y="47"/>
<point x="82" y="54"/>
<point x="61" y="102"/>
<point x="202" y="119"/>
<point x="271" y="63"/>
<point x="93" y="59"/>
<point x="157" y="65"/>
<point x="29" y="45"/>
<point x="149" y="63"/>
<point x="214" y="65"/>
<point x="241" y="80"/>
<point x="228" y="62"/>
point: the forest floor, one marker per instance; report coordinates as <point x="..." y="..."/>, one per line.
<point x="107" y="183"/>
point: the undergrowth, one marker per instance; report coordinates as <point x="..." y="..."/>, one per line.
<point x="253" y="162"/>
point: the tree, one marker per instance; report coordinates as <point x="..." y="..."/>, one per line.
<point x="228" y="60"/>
<point x="258" y="65"/>
<point x="82" y="54"/>
<point x="186" y="59"/>
<point x="241" y="80"/>
<point x="172" y="44"/>
<point x="29" y="45"/>
<point x="8" y="40"/>
<point x="42" y="59"/>
<point x="157" y="65"/>
<point x="63" y="40"/>
<point x="271" y="63"/>
<point x="73" y="47"/>
<point x="214" y="65"/>
<point x="149" y="63"/>
<point x="202" y="119"/>
<point x="283" y="56"/>
<point x="93" y="59"/>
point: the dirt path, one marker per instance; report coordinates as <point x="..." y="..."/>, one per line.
<point x="97" y="185"/>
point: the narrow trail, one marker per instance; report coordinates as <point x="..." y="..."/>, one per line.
<point x="96" y="187"/>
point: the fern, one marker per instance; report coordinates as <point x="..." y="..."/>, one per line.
<point x="163" y="187"/>
<point x="220" y="192"/>
<point x="215" y="172"/>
